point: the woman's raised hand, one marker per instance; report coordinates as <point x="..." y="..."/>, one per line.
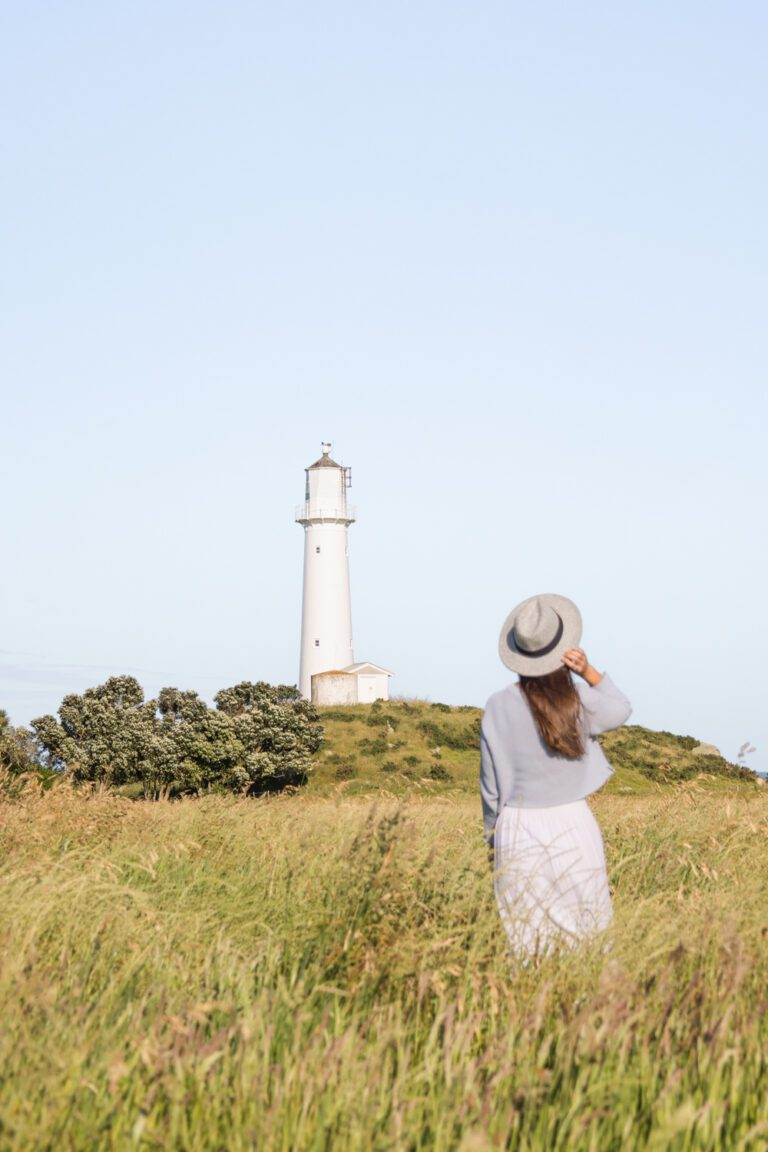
<point x="576" y="660"/>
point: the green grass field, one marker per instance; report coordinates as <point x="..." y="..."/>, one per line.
<point x="327" y="972"/>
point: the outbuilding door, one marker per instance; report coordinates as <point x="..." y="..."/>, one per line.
<point x="371" y="687"/>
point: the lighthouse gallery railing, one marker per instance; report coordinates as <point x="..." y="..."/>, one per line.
<point x="307" y="511"/>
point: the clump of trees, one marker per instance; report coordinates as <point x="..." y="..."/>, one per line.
<point x="258" y="737"/>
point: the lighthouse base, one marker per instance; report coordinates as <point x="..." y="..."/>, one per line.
<point x="358" y="684"/>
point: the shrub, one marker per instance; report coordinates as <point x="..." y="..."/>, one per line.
<point x="438" y="771"/>
<point x="345" y="772"/>
<point x="441" y="707"/>
<point x="467" y="737"/>
<point x="382" y="720"/>
<point x="375" y="747"/>
<point x="687" y="742"/>
<point x="717" y="766"/>
<point x="412" y="761"/>
<point x="389" y="766"/>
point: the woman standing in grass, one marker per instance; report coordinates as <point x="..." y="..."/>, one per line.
<point x="539" y="759"/>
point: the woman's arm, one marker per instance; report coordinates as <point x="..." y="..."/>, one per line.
<point x="605" y="705"/>
<point x="489" y="791"/>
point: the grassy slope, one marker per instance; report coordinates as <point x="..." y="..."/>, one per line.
<point x="304" y="973"/>
<point x="407" y="744"/>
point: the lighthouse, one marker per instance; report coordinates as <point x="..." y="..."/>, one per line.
<point x="327" y="672"/>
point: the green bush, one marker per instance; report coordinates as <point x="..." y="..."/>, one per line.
<point x="376" y="720"/>
<point x="438" y="771"/>
<point x="463" y="739"/>
<point x="381" y="720"/>
<point x="686" y="742"/>
<point x="375" y="747"/>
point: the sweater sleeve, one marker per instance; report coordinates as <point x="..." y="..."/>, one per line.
<point x="489" y="789"/>
<point x="605" y="706"/>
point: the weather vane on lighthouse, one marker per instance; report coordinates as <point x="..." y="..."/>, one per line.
<point x="327" y="673"/>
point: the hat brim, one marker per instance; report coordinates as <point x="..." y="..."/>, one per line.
<point x="526" y="665"/>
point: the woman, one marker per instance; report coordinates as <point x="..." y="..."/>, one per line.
<point x="539" y="759"/>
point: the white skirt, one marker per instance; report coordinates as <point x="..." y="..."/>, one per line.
<point x="549" y="876"/>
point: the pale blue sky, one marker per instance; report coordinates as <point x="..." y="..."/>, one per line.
<point x="510" y="259"/>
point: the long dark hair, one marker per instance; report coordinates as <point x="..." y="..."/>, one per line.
<point x="556" y="708"/>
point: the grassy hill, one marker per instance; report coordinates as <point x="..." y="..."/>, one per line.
<point x="403" y="745"/>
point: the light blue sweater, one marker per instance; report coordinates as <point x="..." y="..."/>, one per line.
<point x="517" y="767"/>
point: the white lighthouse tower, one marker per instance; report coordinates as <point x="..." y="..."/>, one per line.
<point x="327" y="672"/>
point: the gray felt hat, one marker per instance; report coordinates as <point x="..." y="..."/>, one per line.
<point x="536" y="634"/>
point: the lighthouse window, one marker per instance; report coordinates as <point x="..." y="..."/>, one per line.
<point x="317" y="549"/>
<point x="317" y="643"/>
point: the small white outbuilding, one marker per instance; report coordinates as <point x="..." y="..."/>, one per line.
<point x="356" y="684"/>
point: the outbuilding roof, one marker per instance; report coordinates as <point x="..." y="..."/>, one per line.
<point x="353" y="669"/>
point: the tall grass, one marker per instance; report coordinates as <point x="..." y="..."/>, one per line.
<point x="329" y="973"/>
